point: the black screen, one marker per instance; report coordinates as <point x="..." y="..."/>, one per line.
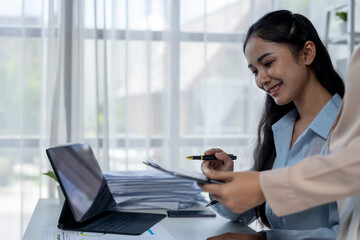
<point x="81" y="180"/>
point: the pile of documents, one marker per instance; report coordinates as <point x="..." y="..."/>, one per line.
<point x="152" y="190"/>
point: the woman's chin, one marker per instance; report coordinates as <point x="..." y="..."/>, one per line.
<point x="281" y="101"/>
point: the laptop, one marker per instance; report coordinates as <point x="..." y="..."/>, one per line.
<point x="89" y="203"/>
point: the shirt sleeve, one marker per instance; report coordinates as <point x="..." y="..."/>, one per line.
<point x="245" y="218"/>
<point x="314" y="181"/>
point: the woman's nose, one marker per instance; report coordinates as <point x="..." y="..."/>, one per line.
<point x="262" y="79"/>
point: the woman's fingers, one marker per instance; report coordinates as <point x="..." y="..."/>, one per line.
<point x="212" y="151"/>
<point x="217" y="175"/>
<point x="240" y="192"/>
<point x="223" y="162"/>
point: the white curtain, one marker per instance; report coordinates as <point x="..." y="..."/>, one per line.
<point x="136" y="79"/>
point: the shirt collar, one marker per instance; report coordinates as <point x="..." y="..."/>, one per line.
<point x="286" y="121"/>
<point x="325" y="119"/>
<point x="321" y="125"/>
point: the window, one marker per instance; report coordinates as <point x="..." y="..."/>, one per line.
<point x="136" y="79"/>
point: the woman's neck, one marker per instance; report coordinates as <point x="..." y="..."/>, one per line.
<point x="310" y="103"/>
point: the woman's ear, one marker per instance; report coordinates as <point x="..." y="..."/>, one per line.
<point x="309" y="52"/>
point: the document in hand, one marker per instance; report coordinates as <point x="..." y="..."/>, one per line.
<point x="199" y="177"/>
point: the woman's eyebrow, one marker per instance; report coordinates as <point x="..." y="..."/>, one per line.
<point x="260" y="58"/>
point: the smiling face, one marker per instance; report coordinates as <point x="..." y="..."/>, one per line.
<point x="276" y="70"/>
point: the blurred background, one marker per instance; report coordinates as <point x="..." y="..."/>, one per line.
<point x="137" y="79"/>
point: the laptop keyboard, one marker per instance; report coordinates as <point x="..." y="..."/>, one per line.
<point x="114" y="222"/>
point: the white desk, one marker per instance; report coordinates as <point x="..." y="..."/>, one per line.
<point x="47" y="213"/>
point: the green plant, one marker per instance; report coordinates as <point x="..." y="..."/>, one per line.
<point x="52" y="175"/>
<point x="342" y="15"/>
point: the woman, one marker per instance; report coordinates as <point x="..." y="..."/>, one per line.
<point x="290" y="63"/>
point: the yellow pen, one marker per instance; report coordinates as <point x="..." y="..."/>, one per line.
<point x="211" y="157"/>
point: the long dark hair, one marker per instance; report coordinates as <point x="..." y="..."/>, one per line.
<point x="292" y="30"/>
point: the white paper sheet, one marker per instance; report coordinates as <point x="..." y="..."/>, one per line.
<point x="53" y="233"/>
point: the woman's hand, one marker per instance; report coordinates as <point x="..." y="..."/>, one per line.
<point x="238" y="236"/>
<point x="224" y="162"/>
<point x="240" y="192"/>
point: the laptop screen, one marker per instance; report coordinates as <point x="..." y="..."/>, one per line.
<point x="81" y="180"/>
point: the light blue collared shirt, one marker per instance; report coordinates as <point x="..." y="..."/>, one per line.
<point x="314" y="140"/>
<point x="322" y="221"/>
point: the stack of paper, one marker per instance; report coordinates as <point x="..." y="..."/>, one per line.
<point x="152" y="190"/>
